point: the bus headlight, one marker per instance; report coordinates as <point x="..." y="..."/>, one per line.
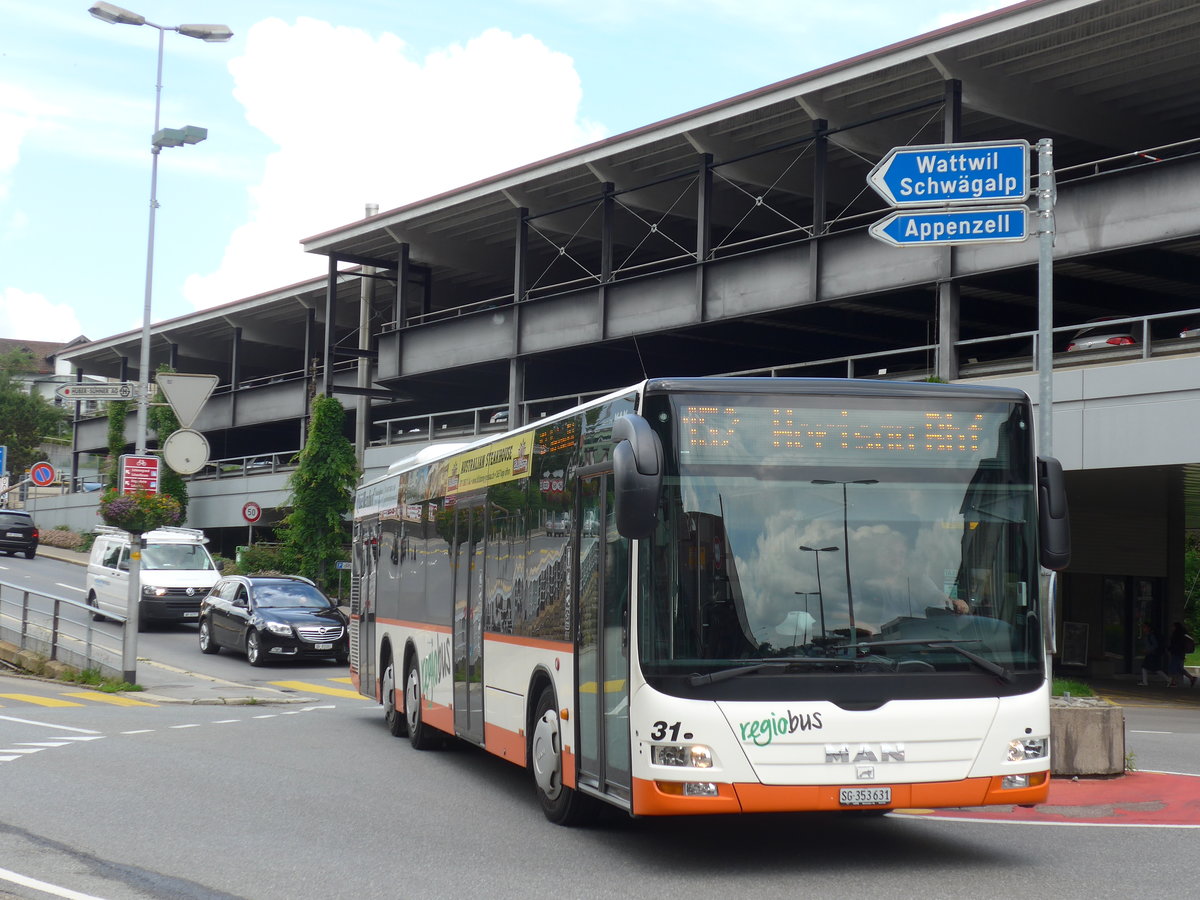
<point x="694" y="756"/>
<point x="1021" y="749"/>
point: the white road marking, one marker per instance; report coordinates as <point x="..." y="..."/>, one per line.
<point x="69" y="587"/>
<point x="46" y="888"/>
<point x="51" y="725"/>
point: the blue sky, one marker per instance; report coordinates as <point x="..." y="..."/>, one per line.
<point x="315" y="109"/>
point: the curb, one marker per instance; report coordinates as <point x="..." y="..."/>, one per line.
<point x="217" y="701"/>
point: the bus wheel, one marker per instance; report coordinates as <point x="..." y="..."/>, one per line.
<point x="396" y="722"/>
<point x="561" y="804"/>
<point x="420" y="735"/>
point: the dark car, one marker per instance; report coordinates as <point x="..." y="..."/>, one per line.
<point x="18" y="534"/>
<point x="272" y="617"/>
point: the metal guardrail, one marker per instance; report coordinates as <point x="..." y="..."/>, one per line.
<point x="60" y="629"/>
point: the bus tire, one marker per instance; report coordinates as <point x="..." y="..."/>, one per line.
<point x="420" y="734"/>
<point x="560" y="804"/>
<point x="396" y="722"/>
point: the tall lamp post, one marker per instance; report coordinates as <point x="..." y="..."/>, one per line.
<point x="816" y="552"/>
<point x="163" y="137"/>
<point x="846" y="538"/>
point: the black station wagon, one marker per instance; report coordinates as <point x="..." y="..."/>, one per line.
<point x="272" y="617"/>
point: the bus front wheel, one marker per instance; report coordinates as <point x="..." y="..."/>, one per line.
<point x="561" y="804"/>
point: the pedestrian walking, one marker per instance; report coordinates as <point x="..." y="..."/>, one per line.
<point x="1179" y="645"/>
<point x="1152" y="657"/>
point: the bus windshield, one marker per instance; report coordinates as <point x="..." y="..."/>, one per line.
<point x="810" y="535"/>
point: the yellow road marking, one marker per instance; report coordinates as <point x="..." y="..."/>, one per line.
<point x="40" y="701"/>
<point x="114" y="699"/>
<point x="346" y="680"/>
<point x="308" y="687"/>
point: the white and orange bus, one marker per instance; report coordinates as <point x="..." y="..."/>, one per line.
<point x="726" y="595"/>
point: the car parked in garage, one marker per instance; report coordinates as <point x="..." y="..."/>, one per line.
<point x="18" y="534"/>
<point x="272" y="617"/>
<point x="1100" y="334"/>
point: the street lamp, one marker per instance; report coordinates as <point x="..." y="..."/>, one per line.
<point x="846" y="555"/>
<point x="816" y="552"/>
<point x="162" y="137"/>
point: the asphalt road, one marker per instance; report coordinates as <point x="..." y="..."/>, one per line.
<point x="318" y="799"/>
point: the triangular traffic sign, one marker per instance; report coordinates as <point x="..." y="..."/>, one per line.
<point x="186" y="394"/>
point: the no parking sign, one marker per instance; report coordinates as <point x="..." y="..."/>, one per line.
<point x="42" y="474"/>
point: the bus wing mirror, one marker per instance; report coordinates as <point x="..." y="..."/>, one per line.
<point x="1054" y="528"/>
<point x="637" y="476"/>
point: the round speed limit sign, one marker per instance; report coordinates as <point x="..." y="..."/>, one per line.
<point x="251" y="512"/>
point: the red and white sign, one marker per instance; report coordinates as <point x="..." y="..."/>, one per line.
<point x="139" y="473"/>
<point x="42" y="474"/>
<point x="251" y="512"/>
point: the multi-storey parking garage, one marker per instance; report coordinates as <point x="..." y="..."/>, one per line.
<point x="733" y="240"/>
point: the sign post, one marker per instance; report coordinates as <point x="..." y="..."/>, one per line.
<point x="120" y="390"/>
<point x="953" y="174"/>
<point x="251" y="512"/>
<point x="138" y="473"/>
<point x="952" y="226"/>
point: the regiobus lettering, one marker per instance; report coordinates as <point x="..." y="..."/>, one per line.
<point x="726" y="595"/>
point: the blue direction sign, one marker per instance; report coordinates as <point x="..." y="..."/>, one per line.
<point x="956" y="226"/>
<point x="953" y="174"/>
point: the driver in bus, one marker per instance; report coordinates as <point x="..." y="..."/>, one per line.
<point x="902" y="589"/>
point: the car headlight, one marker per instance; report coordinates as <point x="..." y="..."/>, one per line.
<point x="1020" y="749"/>
<point x="694" y="756"/>
<point x="279" y="628"/>
<point x="149" y="590"/>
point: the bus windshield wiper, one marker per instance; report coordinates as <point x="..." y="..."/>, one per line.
<point x="942" y="644"/>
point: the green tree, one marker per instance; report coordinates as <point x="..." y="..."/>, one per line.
<point x="25" y="419"/>
<point x="315" y="531"/>
<point x="163" y="421"/>
<point x="118" y="410"/>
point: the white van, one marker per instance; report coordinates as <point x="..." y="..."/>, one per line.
<point x="176" y="573"/>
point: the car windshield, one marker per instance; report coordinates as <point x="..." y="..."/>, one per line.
<point x="11" y="518"/>
<point x="289" y="595"/>
<point x="829" y="559"/>
<point x="176" y="556"/>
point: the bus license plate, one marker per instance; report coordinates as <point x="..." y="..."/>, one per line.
<point x="191" y="615"/>
<point x="322" y="646"/>
<point x="873" y="796"/>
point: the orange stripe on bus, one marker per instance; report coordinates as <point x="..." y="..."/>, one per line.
<point x="568" y="764"/>
<point x="538" y="643"/>
<point x="649" y="798"/>
<point x="506" y="744"/>
<point x="419" y="626"/>
<point x="438" y="716"/>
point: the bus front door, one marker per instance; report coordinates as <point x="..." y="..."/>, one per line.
<point x="602" y="579"/>
<point x="466" y="562"/>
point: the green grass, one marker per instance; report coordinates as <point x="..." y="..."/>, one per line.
<point x="108" y="685"/>
<point x="1063" y="686"/>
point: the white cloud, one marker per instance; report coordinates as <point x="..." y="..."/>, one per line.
<point x="357" y="121"/>
<point x="31" y="317"/>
